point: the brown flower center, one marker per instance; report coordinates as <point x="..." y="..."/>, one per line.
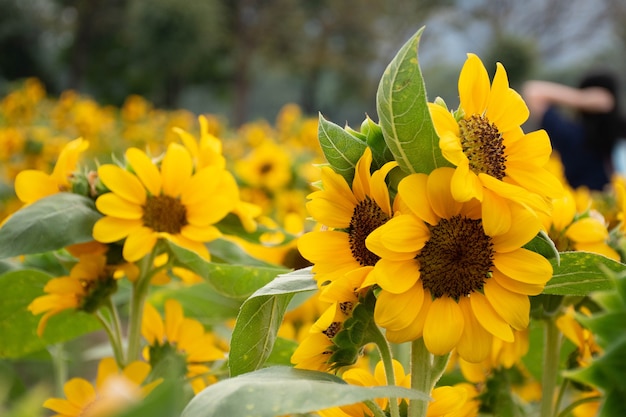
<point x="481" y="142"/>
<point x="163" y="213"/>
<point x="366" y="217"/>
<point x="457" y="258"/>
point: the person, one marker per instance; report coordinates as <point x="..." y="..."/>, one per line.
<point x="586" y="137"/>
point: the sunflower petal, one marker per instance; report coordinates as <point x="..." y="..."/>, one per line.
<point x="524" y="265"/>
<point x="474" y="86"/>
<point x="122" y="183"/>
<point x="176" y="169"/>
<point x="397" y="311"/>
<point x="111" y="204"/>
<point x="139" y="243"/>
<point x="145" y="170"/>
<point x="514" y="308"/>
<point x="443" y="326"/>
<point x="475" y="342"/>
<point x="79" y="392"/>
<point x="396" y="277"/>
<point x="31" y="185"/>
<point x="112" y="229"/>
<point x="489" y="318"/>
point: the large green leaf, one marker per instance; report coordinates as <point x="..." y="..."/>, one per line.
<point x="236" y="281"/>
<point x="260" y="317"/>
<point x="18" y="326"/>
<point x="280" y="390"/>
<point x="51" y="223"/>
<point x="402" y="108"/>
<point x="341" y="149"/>
<point x="580" y="273"/>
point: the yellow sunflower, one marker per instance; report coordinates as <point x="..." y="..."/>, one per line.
<point x="32" y="185"/>
<point x="88" y="284"/>
<point x="351" y="214"/>
<point x="571" y="230"/>
<point x="447" y="276"/>
<point x="114" y="391"/>
<point x="183" y="338"/>
<point x="496" y="162"/>
<point x="169" y="201"/>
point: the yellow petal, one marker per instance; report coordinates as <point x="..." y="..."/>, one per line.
<point x="416" y="329"/>
<point x="474" y="86"/>
<point x="587" y="229"/>
<point x="412" y="189"/>
<point x="397" y="311"/>
<point x="201" y="185"/>
<point x="475" y="342"/>
<point x="496" y="214"/>
<point x="335" y="213"/>
<point x="112" y="229"/>
<point x="440" y="194"/>
<point x="63" y="407"/>
<point x="443" y="120"/>
<point x="465" y="185"/>
<point x="521" y="231"/>
<point x="106" y="369"/>
<point x="145" y="170"/>
<point x="68" y="158"/>
<point x="402" y="234"/>
<point x="138" y="244"/>
<point x="79" y="392"/>
<point x="396" y="277"/>
<point x="524" y="265"/>
<point x="174" y="317"/>
<point x="446" y="401"/>
<point x="506" y="108"/>
<point x="31" y="185"/>
<point x="514" y="308"/>
<point x="176" y="169"/>
<point x="136" y="371"/>
<point x="360" y="183"/>
<point x="517" y="286"/>
<point x="444" y="326"/>
<point x="111" y="204"/>
<point x="200" y="233"/>
<point x="329" y="246"/>
<point x="152" y="327"/>
<point x="378" y="187"/>
<point x="489" y="318"/>
<point x="122" y="183"/>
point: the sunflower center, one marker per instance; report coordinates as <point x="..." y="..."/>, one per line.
<point x="481" y="142"/>
<point x="163" y="213"/>
<point x="457" y="258"/>
<point x="366" y="217"/>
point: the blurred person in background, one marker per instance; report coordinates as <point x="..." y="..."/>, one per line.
<point x="584" y="125"/>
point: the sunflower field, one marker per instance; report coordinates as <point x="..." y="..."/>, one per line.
<point x="429" y="262"/>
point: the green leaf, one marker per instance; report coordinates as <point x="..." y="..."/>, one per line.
<point x="278" y="391"/>
<point x="341" y="149"/>
<point x="402" y="108"/>
<point x="381" y="154"/>
<point x="18" y="326"/>
<point x="260" y="317"/>
<point x="281" y="352"/>
<point x="51" y="223"/>
<point x="236" y="281"/>
<point x="580" y="273"/>
<point x="166" y="400"/>
<point x="544" y="246"/>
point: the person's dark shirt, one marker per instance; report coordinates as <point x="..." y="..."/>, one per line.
<point x="583" y="165"/>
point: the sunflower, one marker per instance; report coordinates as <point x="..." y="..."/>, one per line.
<point x="170" y="202"/>
<point x="32" y="185"/>
<point x="496" y="162"/>
<point x="114" y="391"/>
<point x="447" y="276"/>
<point x="89" y="283"/>
<point x="351" y="214"/>
<point x="571" y="230"/>
<point x="182" y="339"/>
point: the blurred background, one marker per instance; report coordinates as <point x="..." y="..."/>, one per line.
<point x="244" y="59"/>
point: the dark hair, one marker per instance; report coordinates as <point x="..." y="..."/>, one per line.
<point x="603" y="129"/>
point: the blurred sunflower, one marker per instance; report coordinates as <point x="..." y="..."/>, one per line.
<point x="495" y="161"/>
<point x="89" y="284"/>
<point x="447" y="276"/>
<point x="114" y="391"/>
<point x="351" y="213"/>
<point x="32" y="185"/>
<point x="267" y="166"/>
<point x="169" y="201"/>
<point x="571" y="230"/>
<point x="182" y="340"/>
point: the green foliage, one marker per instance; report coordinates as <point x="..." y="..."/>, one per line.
<point x="341" y="149"/>
<point x="260" y="317"/>
<point x="580" y="273"/>
<point x="292" y="391"/>
<point x="403" y="111"/>
<point x="48" y="224"/>
<point x="236" y="281"/>
<point x="18" y="325"/>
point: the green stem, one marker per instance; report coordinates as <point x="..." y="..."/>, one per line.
<point x="562" y="390"/>
<point x="426" y="370"/>
<point x="385" y="354"/>
<point x="115" y="338"/>
<point x="378" y="412"/>
<point x="551" y="356"/>
<point x="140" y="291"/>
<point x="59" y="364"/>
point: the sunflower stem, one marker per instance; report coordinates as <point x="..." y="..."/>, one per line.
<point x="385" y="354"/>
<point x="551" y="356"/>
<point x="376" y="410"/>
<point x="115" y="338"/>
<point x="426" y="370"/>
<point x="140" y="291"/>
<point x="59" y="364"/>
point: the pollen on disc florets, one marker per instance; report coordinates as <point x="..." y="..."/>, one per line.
<point x="483" y="145"/>
<point x="164" y="214"/>
<point x="366" y="217"/>
<point x="457" y="258"/>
